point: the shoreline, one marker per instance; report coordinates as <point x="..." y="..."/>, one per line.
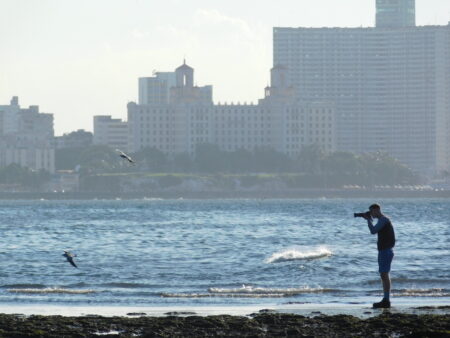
<point x="357" y="309"/>
<point x="422" y="322"/>
<point x="285" y="194"/>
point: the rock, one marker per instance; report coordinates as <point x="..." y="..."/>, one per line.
<point x="267" y="311"/>
<point x="179" y="313"/>
<point x="264" y="324"/>
<point x="136" y="314"/>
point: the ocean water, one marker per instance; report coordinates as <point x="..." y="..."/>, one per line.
<point x="218" y="252"/>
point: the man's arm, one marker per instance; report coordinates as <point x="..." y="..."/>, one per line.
<point x="376" y="228"/>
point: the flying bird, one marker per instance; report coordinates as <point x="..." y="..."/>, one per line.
<point x="70" y="257"/>
<point x="125" y="156"/>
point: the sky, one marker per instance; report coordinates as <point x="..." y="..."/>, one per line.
<point x="77" y="59"/>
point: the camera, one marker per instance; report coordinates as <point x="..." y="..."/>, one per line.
<point x="362" y="214"/>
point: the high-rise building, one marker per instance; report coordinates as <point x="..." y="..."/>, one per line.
<point x="110" y="132"/>
<point x="26" y="137"/>
<point x="390" y="86"/>
<point x="395" y="13"/>
<point x="156" y="89"/>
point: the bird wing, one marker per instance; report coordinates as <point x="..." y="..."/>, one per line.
<point x="72" y="262"/>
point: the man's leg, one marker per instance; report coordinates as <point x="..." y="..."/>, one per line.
<point x="384" y="263"/>
<point x="386" y="284"/>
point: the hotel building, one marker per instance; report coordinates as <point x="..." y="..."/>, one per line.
<point x="390" y="84"/>
<point x="189" y="117"/>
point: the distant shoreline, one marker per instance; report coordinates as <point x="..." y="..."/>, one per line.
<point x="287" y="194"/>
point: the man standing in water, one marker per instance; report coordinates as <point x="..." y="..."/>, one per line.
<point x="385" y="244"/>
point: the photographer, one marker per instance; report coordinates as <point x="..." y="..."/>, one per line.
<point x="385" y="244"/>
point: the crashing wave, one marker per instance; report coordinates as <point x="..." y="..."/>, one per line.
<point x="294" y="254"/>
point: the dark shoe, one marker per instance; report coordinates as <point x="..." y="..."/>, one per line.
<point x="384" y="304"/>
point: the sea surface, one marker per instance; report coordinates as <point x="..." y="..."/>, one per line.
<point x="218" y="252"/>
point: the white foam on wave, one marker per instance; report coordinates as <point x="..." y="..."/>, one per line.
<point x="223" y="295"/>
<point x="249" y="292"/>
<point x="297" y="254"/>
<point x="246" y="289"/>
<point x="51" y="290"/>
<point x="433" y="292"/>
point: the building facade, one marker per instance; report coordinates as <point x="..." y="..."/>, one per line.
<point x="26" y="137"/>
<point x="156" y="90"/>
<point x="279" y="121"/>
<point x="395" y="13"/>
<point x="110" y="132"/>
<point x="390" y="84"/>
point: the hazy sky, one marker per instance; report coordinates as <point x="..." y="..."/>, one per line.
<point x="81" y="58"/>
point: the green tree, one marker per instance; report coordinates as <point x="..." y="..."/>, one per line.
<point x="68" y="158"/>
<point x="25" y="177"/>
<point x="209" y="158"/>
<point x="240" y="161"/>
<point x="310" y="159"/>
<point x="152" y="159"/>
<point x="266" y="159"/>
<point x="101" y="159"/>
<point x="182" y="162"/>
<point x="383" y="169"/>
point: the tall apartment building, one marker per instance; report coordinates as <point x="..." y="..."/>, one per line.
<point x="110" y="132"/>
<point x="279" y="121"/>
<point x="156" y="89"/>
<point x="395" y="13"/>
<point x="26" y="137"/>
<point x="390" y="84"/>
<point x="9" y="115"/>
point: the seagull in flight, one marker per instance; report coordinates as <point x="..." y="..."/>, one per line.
<point x="70" y="257"/>
<point x="125" y="156"/>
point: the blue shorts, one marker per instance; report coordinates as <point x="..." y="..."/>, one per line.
<point x="385" y="259"/>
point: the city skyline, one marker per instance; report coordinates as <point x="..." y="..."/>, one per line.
<point x="95" y="67"/>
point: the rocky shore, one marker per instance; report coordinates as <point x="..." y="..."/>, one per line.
<point x="258" y="325"/>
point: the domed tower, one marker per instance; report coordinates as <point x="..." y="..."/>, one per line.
<point x="184" y="76"/>
<point x="280" y="87"/>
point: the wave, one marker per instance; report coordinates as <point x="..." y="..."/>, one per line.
<point x="294" y="254"/>
<point x="411" y="281"/>
<point x="432" y="292"/>
<point x="285" y="291"/>
<point x="227" y="295"/>
<point x="51" y="290"/>
<point x="249" y="292"/>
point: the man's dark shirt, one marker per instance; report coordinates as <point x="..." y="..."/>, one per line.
<point x="385" y="231"/>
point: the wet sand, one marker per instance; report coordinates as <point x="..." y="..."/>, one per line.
<point x="420" y="322"/>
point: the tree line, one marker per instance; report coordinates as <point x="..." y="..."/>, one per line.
<point x="335" y="169"/>
<point x="14" y="176"/>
